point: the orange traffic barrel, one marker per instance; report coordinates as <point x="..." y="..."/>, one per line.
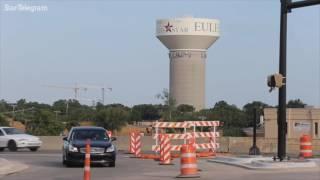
<point x="87" y="174"/>
<point x="305" y="146"/>
<point x="188" y="167"/>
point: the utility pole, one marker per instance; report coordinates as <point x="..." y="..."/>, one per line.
<point x="57" y="112"/>
<point x="286" y="7"/>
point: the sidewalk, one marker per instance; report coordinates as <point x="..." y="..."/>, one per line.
<point x="10" y="167"/>
<point x="265" y="163"/>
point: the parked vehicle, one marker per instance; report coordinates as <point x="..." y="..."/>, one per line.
<point x="102" y="149"/>
<point x="14" y="139"/>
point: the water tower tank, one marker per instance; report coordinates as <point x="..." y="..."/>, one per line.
<point x="187" y="40"/>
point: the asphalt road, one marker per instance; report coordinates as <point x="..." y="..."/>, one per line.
<point x="44" y="165"/>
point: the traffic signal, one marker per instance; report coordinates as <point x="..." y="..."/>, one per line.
<point x="275" y="81"/>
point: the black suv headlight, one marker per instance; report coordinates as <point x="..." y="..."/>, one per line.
<point x="72" y="148"/>
<point x="110" y="148"/>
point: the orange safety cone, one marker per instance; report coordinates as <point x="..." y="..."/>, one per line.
<point x="189" y="168"/>
<point x="87" y="174"/>
<point x="305" y="146"/>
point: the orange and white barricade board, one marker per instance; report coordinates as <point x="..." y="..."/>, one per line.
<point x="211" y="145"/>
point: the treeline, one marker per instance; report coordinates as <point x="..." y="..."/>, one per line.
<point x="45" y="119"/>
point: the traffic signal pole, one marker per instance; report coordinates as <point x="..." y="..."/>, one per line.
<point x="286" y="7"/>
<point x="282" y="90"/>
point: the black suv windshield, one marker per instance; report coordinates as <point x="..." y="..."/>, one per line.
<point x="92" y="134"/>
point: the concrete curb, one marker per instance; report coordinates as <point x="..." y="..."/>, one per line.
<point x="263" y="163"/>
<point x="10" y="167"/>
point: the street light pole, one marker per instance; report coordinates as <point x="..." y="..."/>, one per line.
<point x="254" y="150"/>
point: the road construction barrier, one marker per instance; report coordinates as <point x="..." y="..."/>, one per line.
<point x="137" y="144"/>
<point x="87" y="174"/>
<point x="305" y="146"/>
<point x="132" y="142"/>
<point x="165" y="150"/>
<point x="161" y="138"/>
<point x="212" y="145"/>
<point x="188" y="160"/>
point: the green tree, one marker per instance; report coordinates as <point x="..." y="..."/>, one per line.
<point x="147" y="111"/>
<point x="230" y="115"/>
<point x="249" y="110"/>
<point x="184" y="108"/>
<point x="44" y="123"/>
<point x="169" y="103"/>
<point x="135" y="116"/>
<point x="296" y="103"/>
<point x="3" y="121"/>
<point x="61" y="105"/>
<point x="112" y="118"/>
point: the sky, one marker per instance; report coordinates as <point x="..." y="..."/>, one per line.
<point x="112" y="44"/>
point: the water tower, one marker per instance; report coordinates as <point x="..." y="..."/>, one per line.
<point x="188" y="40"/>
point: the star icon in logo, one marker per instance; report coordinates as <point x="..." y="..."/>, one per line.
<point x="168" y="27"/>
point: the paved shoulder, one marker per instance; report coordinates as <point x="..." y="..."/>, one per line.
<point x="10" y="167"/>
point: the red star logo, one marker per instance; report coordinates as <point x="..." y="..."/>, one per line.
<point x="168" y="27"/>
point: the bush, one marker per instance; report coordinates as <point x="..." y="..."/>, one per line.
<point x="3" y="121"/>
<point x="233" y="131"/>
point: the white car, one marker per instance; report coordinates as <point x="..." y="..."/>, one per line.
<point x="14" y="139"/>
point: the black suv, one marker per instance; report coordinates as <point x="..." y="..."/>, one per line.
<point x="102" y="149"/>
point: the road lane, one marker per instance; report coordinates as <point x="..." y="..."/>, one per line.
<point x="47" y="166"/>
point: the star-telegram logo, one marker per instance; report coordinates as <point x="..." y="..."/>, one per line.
<point x="168" y="27"/>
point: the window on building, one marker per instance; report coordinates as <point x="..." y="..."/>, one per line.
<point x="316" y="128"/>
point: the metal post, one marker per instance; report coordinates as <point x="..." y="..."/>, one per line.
<point x="282" y="90"/>
<point x="254" y="150"/>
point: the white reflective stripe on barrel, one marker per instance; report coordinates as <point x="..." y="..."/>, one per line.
<point x="185" y="155"/>
<point x="87" y="155"/>
<point x="187" y="166"/>
<point x="87" y="168"/>
<point x="305" y="151"/>
<point x="306" y="144"/>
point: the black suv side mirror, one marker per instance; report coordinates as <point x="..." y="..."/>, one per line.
<point x="113" y="138"/>
<point x="65" y="138"/>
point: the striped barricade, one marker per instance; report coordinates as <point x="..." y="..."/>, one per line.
<point x="204" y="134"/>
<point x="171" y="125"/>
<point x="203" y="123"/>
<point x="174" y="136"/>
<point x="211" y="145"/>
<point x="198" y="146"/>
